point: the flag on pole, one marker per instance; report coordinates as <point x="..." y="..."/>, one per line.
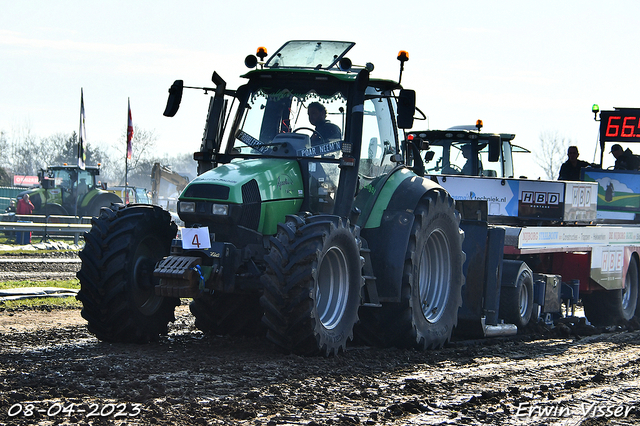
<point x="129" y="133"/>
<point x="82" y="136"/>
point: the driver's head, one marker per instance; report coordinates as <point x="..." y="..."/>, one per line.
<point x="317" y="113"/>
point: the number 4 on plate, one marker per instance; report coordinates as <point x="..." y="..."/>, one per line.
<point x="196" y="238"/>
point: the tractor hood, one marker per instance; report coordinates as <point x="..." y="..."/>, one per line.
<point x="268" y="179"/>
<point x="246" y="194"/>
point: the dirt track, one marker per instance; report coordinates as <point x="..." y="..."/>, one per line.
<point x="50" y="363"/>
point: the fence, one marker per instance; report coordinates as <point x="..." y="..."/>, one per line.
<point x="45" y="226"/>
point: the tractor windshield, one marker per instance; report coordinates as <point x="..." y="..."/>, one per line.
<point x="309" y="54"/>
<point x="288" y="124"/>
<point x="457" y="157"/>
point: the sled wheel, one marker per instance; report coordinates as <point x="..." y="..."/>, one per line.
<point x="516" y="301"/>
<point x="614" y="307"/>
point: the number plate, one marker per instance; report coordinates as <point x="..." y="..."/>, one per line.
<point x="196" y="238"/>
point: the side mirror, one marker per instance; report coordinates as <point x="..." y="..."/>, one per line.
<point x="495" y="144"/>
<point x="406" y="108"/>
<point x="175" y="96"/>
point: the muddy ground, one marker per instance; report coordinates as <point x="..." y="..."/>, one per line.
<point x="52" y="371"/>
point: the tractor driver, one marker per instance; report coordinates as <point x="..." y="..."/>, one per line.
<point x="467" y="153"/>
<point x="326" y="129"/>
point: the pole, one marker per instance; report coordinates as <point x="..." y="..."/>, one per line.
<point x="126" y="169"/>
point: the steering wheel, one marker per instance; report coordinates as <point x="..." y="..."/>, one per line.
<point x="313" y="132"/>
<point x="452" y="169"/>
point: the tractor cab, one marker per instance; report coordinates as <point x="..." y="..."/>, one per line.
<point x="307" y="123"/>
<point x="463" y="151"/>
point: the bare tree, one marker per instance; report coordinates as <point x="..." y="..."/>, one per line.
<point x="23" y="153"/>
<point x="139" y="173"/>
<point x="551" y="153"/>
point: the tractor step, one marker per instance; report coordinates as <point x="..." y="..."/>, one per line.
<point x="178" y="276"/>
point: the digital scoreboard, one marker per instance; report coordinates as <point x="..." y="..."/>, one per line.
<point x="621" y="125"/>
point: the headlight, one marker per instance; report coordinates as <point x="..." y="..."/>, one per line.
<point x="220" y="209"/>
<point x="187" y="207"/>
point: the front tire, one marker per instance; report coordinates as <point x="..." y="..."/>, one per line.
<point x="431" y="285"/>
<point x="614" y="307"/>
<point x="312" y="286"/>
<point x="116" y="277"/>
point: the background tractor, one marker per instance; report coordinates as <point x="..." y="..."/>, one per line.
<point x="289" y="228"/>
<point x="68" y="190"/>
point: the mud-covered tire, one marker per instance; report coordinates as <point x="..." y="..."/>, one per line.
<point x="615" y="307"/>
<point x="312" y="288"/>
<point x="516" y="298"/>
<point x="228" y="314"/>
<point x="431" y="285"/>
<point x="116" y="276"/>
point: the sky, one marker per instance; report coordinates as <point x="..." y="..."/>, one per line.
<point x="528" y="68"/>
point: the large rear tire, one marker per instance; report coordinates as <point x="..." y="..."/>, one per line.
<point x="431" y="286"/>
<point x="228" y="314"/>
<point x="614" y="307"/>
<point x="116" y="277"/>
<point x="313" y="284"/>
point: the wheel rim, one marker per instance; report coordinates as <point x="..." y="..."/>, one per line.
<point x="332" y="290"/>
<point x="626" y="294"/>
<point x="434" y="276"/>
<point x="145" y="258"/>
<point x="524" y="300"/>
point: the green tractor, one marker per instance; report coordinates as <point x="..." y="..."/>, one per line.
<point x="68" y="190"/>
<point x="304" y="222"/>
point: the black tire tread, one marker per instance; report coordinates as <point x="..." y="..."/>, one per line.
<point x="393" y="324"/>
<point x="287" y="298"/>
<point x="107" y="262"/>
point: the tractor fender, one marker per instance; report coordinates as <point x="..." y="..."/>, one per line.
<point x="102" y="199"/>
<point x="388" y="229"/>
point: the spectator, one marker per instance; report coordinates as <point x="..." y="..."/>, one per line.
<point x="24" y="205"/>
<point x="12" y="207"/>
<point x="570" y="169"/>
<point x="625" y="160"/>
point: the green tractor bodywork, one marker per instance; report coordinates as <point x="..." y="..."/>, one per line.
<point x="293" y="222"/>
<point x="68" y="190"/>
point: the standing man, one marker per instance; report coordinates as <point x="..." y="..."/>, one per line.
<point x="625" y="160"/>
<point x="25" y="206"/>
<point x="570" y="169"/>
<point x="326" y="131"/>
